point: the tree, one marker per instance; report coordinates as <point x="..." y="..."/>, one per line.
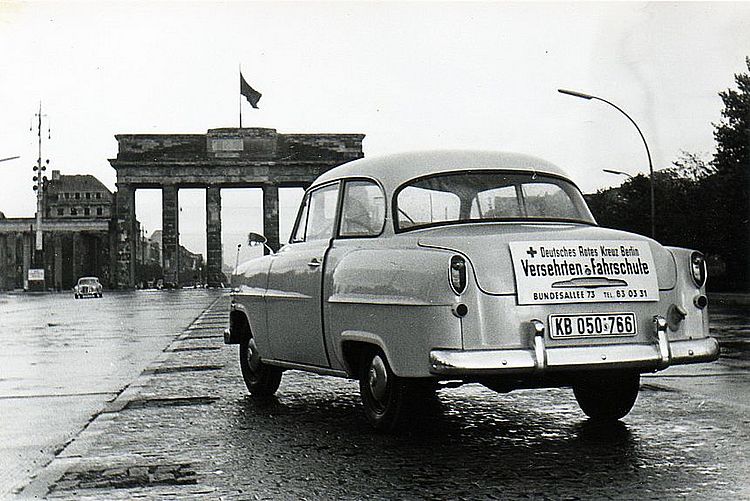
<point x="691" y="166"/>
<point x="730" y="185"/>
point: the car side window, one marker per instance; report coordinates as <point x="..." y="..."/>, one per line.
<point x="363" y="210"/>
<point x="299" y="232"/>
<point x="318" y="215"/>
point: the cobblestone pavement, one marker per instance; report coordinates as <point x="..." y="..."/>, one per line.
<point x="187" y="429"/>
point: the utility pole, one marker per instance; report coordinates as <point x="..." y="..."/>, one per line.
<point x="40" y="185"/>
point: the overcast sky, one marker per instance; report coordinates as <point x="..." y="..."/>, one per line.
<point x="409" y="76"/>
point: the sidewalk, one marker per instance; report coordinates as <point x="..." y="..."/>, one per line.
<point x="135" y="447"/>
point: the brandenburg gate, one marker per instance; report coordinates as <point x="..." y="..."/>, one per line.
<point x="221" y="158"/>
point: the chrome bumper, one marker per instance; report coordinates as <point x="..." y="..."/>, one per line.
<point x="658" y="355"/>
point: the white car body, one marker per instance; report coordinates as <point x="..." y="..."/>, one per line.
<point x="544" y="301"/>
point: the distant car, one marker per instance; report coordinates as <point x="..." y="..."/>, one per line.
<point x="88" y="287"/>
<point x="415" y="271"/>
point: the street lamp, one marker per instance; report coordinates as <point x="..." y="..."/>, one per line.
<point x="619" y="172"/>
<point x="648" y="153"/>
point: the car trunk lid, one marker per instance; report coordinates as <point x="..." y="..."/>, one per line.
<point x="547" y="256"/>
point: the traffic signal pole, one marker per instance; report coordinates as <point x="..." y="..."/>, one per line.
<point x="40" y="181"/>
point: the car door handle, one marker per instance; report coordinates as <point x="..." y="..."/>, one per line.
<point x="314" y="262"/>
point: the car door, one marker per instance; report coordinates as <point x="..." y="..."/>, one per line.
<point x="295" y="280"/>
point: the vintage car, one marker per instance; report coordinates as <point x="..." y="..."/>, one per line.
<point x="416" y="271"/>
<point x="87" y="287"/>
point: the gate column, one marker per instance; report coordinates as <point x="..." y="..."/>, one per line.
<point x="58" y="263"/>
<point x="3" y="264"/>
<point x="27" y="244"/>
<point x="170" y="240"/>
<point x="214" y="275"/>
<point x="271" y="215"/>
<point x="125" y="246"/>
<point x="13" y="258"/>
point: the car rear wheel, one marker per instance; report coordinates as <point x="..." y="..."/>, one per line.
<point x="262" y="380"/>
<point x="607" y="397"/>
<point x="388" y="400"/>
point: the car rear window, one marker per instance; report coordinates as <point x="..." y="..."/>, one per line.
<point x="472" y="196"/>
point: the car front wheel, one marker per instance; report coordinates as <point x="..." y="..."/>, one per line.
<point x="607" y="397"/>
<point x="262" y="380"/>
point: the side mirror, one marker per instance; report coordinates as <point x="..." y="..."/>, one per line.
<point x="255" y="239"/>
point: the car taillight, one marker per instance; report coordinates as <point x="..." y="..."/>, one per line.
<point x="458" y="274"/>
<point x="698" y="268"/>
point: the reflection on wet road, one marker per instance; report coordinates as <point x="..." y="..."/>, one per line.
<point x="525" y="445"/>
<point x="726" y="381"/>
<point x="731" y="326"/>
<point x="63" y="358"/>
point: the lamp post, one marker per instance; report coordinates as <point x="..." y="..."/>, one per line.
<point x="619" y="172"/>
<point x="648" y="153"/>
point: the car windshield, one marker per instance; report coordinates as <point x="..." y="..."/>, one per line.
<point x="472" y="196"/>
<point x="88" y="281"/>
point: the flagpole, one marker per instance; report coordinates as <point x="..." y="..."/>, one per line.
<point x="240" y="96"/>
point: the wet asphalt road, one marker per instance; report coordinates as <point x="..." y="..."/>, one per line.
<point x="194" y="433"/>
<point x="62" y="359"/>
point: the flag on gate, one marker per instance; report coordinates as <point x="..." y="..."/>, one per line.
<point x="252" y="95"/>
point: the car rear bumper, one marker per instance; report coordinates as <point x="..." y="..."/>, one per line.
<point x="642" y="357"/>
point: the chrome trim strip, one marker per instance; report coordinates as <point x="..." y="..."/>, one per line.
<point x="244" y="290"/>
<point x="289" y="296"/>
<point x="381" y="300"/>
<point x="326" y="371"/>
<point x="590" y="283"/>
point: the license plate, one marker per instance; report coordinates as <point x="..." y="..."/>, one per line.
<point x="592" y="325"/>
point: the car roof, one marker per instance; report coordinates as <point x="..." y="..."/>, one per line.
<point x="393" y="170"/>
<point x="89" y="278"/>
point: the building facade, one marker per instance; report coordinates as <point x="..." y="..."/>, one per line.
<point x="77" y="237"/>
<point x="77" y="197"/>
